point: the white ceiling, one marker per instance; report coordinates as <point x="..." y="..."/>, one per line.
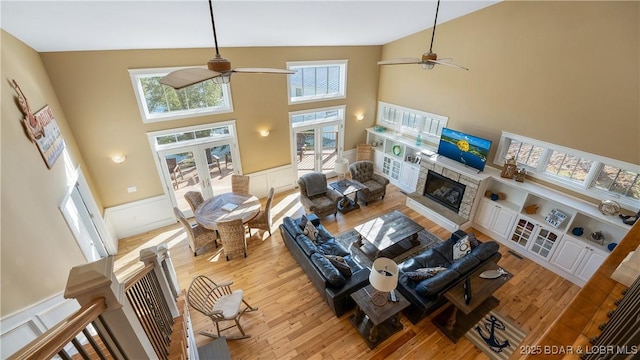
<point x="160" y="24"/>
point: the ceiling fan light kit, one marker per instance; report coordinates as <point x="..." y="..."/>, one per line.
<point x="218" y="69"/>
<point x="429" y="59"/>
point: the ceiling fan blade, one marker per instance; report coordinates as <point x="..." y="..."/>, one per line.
<point x="400" y="61"/>
<point x="263" y="71"/>
<point x="440" y="62"/>
<point x="184" y="77"/>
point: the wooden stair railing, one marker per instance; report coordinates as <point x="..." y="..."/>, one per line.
<point x="148" y="325"/>
<point x="63" y="339"/>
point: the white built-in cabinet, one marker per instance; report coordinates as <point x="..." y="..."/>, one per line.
<point x="495" y="217"/>
<point x="397" y="158"/>
<point x="554" y="246"/>
<point x="578" y="258"/>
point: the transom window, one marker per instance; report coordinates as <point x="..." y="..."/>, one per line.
<point x="593" y="175"/>
<point x="158" y="102"/>
<point x="192" y="136"/>
<point x="317" y="80"/>
<point x="322" y="115"/>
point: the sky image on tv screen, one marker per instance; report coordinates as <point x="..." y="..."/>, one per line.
<point x="467" y="149"/>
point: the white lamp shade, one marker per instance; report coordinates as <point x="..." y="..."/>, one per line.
<point x="342" y="166"/>
<point x="384" y="274"/>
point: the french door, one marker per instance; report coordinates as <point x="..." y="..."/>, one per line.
<point x="198" y="158"/>
<point x="317" y="139"/>
<point x="206" y="168"/>
<point x="317" y="146"/>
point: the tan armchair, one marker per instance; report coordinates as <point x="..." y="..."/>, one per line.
<point x="198" y="236"/>
<point x="375" y="184"/>
<point x="316" y="197"/>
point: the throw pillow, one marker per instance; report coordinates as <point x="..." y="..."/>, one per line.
<point x="424" y="273"/>
<point x="473" y="240"/>
<point x="311" y="231"/>
<point x="340" y="264"/>
<point x="303" y="222"/>
<point x="461" y="248"/>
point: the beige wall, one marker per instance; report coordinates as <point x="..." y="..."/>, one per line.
<point x="563" y="72"/>
<point x="95" y="91"/>
<point x="38" y="248"/>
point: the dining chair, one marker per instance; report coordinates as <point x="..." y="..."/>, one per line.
<point x="240" y="184"/>
<point x="218" y="302"/>
<point x="194" y="198"/>
<point x="198" y="236"/>
<point x="232" y="235"/>
<point x="263" y="220"/>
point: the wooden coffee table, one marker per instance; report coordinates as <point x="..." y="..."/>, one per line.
<point x="388" y="233"/>
<point x="380" y="322"/>
<point x="461" y="315"/>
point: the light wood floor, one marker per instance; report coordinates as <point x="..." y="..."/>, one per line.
<point x="293" y="322"/>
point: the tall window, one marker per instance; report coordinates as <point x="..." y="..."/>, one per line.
<point x="317" y="80"/>
<point x="159" y="102"/>
<point x="593" y="175"/>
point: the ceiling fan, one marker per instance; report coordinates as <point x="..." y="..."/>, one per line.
<point x="219" y="69"/>
<point x="429" y="59"/>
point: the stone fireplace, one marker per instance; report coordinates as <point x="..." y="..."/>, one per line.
<point x="468" y="185"/>
<point x="444" y="191"/>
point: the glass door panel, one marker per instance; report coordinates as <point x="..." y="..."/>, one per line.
<point x="329" y="148"/>
<point x="181" y="172"/>
<point x="305" y="151"/>
<point x="219" y="167"/>
<point x="317" y="147"/>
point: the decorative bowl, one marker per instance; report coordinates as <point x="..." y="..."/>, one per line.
<point x="609" y="207"/>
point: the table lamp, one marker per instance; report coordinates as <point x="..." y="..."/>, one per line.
<point x="341" y="168"/>
<point x="383" y="278"/>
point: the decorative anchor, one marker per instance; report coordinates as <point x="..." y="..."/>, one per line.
<point x="491" y="325"/>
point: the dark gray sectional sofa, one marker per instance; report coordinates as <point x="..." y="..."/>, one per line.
<point x="332" y="285"/>
<point x="425" y="296"/>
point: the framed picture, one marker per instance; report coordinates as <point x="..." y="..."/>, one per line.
<point x="51" y="144"/>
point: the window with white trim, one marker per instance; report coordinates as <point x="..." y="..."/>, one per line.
<point x="592" y="175"/>
<point x="317" y="81"/>
<point x="411" y="121"/>
<point x="158" y="102"/>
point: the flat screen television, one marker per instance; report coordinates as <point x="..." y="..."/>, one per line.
<point x="464" y="148"/>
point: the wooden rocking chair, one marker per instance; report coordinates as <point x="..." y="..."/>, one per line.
<point x="219" y="303"/>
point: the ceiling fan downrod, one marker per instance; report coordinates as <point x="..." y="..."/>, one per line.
<point x="435" y="21"/>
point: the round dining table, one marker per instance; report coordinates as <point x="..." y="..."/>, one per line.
<point x="219" y="208"/>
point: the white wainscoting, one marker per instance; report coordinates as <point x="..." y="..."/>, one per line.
<point x="140" y="216"/>
<point x="280" y="178"/>
<point x="24" y="326"/>
<point x="144" y="215"/>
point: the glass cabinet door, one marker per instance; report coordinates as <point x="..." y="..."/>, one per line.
<point x="522" y="232"/>
<point x="544" y="242"/>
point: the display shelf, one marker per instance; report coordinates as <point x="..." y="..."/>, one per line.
<point x="589" y="225"/>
